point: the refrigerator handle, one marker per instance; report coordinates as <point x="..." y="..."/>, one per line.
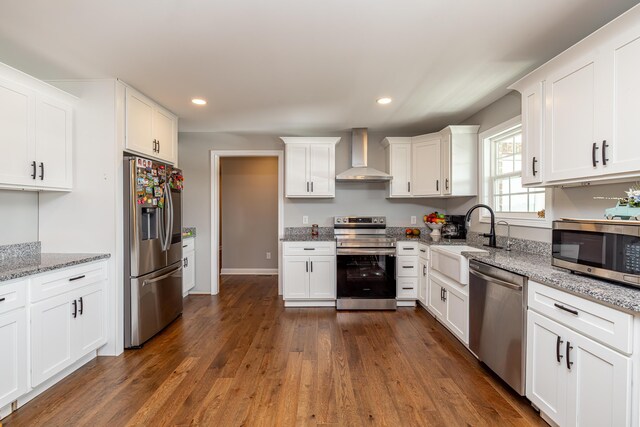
<point x="168" y="215"/>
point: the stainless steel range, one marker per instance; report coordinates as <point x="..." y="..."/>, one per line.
<point x="366" y="263"/>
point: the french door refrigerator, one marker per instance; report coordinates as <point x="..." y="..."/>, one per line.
<point x="153" y="248"/>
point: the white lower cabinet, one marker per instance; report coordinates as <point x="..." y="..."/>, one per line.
<point x="13" y="356"/>
<point x="308" y="279"/>
<point x="573" y="379"/>
<point x="423" y="281"/>
<point x="188" y="265"/>
<point x="449" y="303"/>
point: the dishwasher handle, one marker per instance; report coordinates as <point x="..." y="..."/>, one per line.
<point x="496" y="281"/>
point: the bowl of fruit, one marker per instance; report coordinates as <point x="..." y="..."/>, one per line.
<point x="412" y="232"/>
<point x="435" y="221"/>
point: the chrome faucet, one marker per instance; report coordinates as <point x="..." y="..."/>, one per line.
<point x="508" y="246"/>
<point x="492" y="231"/>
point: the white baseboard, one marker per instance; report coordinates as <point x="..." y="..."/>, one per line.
<point x="310" y="303"/>
<point x="199" y="293"/>
<point x="249" y="271"/>
<point x="406" y="303"/>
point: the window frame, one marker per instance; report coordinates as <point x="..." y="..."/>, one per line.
<point x="526" y="219"/>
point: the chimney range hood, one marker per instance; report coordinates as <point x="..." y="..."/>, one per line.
<point x="359" y="171"/>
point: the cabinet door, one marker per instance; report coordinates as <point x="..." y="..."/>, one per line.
<point x="297" y="177"/>
<point x="445" y="183"/>
<point x="295" y="277"/>
<point x="546" y="375"/>
<point x="165" y="129"/>
<point x="598" y="384"/>
<point x="188" y="272"/>
<point x="139" y="123"/>
<point x="571" y="124"/>
<point x="90" y="325"/>
<point x="400" y="169"/>
<point x="623" y="150"/>
<point x="532" y="134"/>
<point x="436" y="300"/>
<point x="54" y="142"/>
<point x="322" y="277"/>
<point x="426" y="168"/>
<point x="17" y="139"/>
<point x="13" y="357"/>
<point x="423" y="281"/>
<point x="457" y="313"/>
<point x="322" y="170"/>
<point x="52" y="329"/>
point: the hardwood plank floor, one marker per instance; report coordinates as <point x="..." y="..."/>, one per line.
<point x="241" y="358"/>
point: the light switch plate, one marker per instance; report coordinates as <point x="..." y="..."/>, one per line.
<point x="305" y="219"/>
<point x="268" y="255"/>
<point x="413" y="220"/>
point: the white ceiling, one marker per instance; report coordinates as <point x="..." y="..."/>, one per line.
<point x="301" y="66"/>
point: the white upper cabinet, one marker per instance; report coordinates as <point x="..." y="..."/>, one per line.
<point x="442" y="164"/>
<point x="150" y="129"/>
<point x="399" y="166"/>
<point x="36" y="134"/>
<point x="310" y="167"/>
<point x="532" y="118"/>
<point x="591" y="101"/>
<point x="426" y="165"/>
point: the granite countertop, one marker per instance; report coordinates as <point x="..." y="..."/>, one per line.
<point x="539" y="269"/>
<point x="17" y="267"/>
<point x="307" y="237"/>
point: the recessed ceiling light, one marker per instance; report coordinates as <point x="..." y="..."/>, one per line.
<point x="383" y="101"/>
<point x="199" y="101"/>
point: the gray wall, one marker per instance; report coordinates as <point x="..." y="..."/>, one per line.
<point x="249" y="205"/>
<point x="18" y="216"/>
<point x="577" y="202"/>
<point x="194" y="159"/>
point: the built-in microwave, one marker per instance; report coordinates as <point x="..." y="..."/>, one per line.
<point x="601" y="248"/>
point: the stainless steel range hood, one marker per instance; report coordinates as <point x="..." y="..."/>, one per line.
<point x="359" y="171"/>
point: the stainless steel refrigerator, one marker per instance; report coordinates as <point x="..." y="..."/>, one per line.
<point x="153" y="248"/>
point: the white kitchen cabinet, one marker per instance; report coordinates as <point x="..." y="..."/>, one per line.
<point x="449" y="303"/>
<point x="188" y="265"/>
<point x="423" y="275"/>
<point x="150" y="130"/>
<point x="532" y="119"/>
<point x="310" y="167"/>
<point x="572" y="379"/>
<point x="591" y="99"/>
<point x="459" y="161"/>
<point x="13" y="357"/>
<point x="35" y="134"/>
<point x="436" y="303"/>
<point x="307" y="279"/>
<point x="399" y="166"/>
<point x="426" y="165"/>
<point x="70" y="323"/>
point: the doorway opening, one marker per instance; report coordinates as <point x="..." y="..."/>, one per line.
<point x="246" y="214"/>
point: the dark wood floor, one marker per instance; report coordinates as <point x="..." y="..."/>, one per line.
<point x="241" y="358"/>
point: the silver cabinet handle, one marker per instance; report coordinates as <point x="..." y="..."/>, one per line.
<point x="604" y="153"/>
<point x="41" y="171"/>
<point x="533" y="166"/>
<point x="307" y="186"/>
<point x="437" y="185"/>
<point x="312" y="186"/>
<point x="33" y="174"/>
<point x="562" y="307"/>
<point x="311" y="266"/>
<point x="424" y="270"/>
<point x="446" y="184"/>
<point x="408" y="187"/>
<point x="306" y="263"/>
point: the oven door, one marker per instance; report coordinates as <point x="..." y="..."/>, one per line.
<point x="366" y="273"/>
<point x="599" y="250"/>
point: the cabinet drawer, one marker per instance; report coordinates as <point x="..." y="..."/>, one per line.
<point x="407" y="288"/>
<point x="13" y="294"/>
<point x="606" y="325"/>
<point x="407" y="248"/>
<point x="423" y="251"/>
<point x="407" y="266"/>
<point x="58" y="282"/>
<point x="309" y="248"/>
<point x="188" y="244"/>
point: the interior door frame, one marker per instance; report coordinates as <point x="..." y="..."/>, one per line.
<point x="215" y="207"/>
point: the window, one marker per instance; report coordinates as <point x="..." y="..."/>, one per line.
<point x="501" y="183"/>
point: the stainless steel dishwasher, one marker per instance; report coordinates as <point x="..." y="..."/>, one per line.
<point x="497" y="321"/>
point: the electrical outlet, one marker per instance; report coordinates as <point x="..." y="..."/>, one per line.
<point x="413" y="220"/>
<point x="305" y="219"/>
<point x="268" y="255"/>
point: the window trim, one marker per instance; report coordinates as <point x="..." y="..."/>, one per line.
<point x="513" y="218"/>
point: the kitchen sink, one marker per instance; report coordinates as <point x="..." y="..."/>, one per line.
<point x="448" y="260"/>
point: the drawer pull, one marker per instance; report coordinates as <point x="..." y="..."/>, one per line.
<point x="408" y="249"/>
<point x="77" y="278"/>
<point x="568" y="310"/>
<point x="184" y="246"/>
<point x="423" y="250"/>
<point x="407" y="266"/>
<point x="407" y="289"/>
<point x="366" y="289"/>
<point x="2" y="299"/>
<point x="309" y="249"/>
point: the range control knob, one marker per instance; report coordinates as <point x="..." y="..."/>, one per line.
<point x="338" y="220"/>
<point x="375" y="220"/>
<point x="381" y="220"/>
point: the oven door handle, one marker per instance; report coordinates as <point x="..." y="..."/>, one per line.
<point x="366" y="251"/>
